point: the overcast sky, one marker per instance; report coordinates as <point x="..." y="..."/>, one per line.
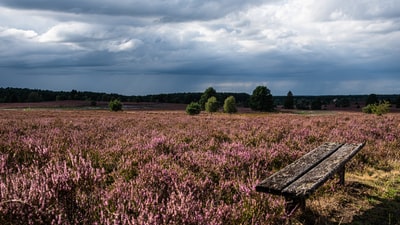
<point x="137" y="47"/>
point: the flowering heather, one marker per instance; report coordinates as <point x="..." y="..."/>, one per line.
<point x="95" y="167"/>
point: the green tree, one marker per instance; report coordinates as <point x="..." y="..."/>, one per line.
<point x="230" y="105"/>
<point x="289" y="101"/>
<point x="208" y="93"/>
<point x="193" y="108"/>
<point x="398" y="102"/>
<point x="261" y="99"/>
<point x="212" y="105"/>
<point x="115" y="105"/>
<point x="372" y="99"/>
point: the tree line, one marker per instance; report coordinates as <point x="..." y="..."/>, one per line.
<point x="269" y="102"/>
<point x="12" y="95"/>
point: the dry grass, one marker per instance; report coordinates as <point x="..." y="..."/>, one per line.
<point x="369" y="197"/>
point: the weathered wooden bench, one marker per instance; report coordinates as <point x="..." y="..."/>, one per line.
<point x="299" y="180"/>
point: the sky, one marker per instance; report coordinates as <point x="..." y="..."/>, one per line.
<point x="136" y="47"/>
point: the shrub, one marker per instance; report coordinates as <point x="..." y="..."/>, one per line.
<point x="378" y="109"/>
<point x="230" y="105"/>
<point x="211" y="105"/>
<point x="193" y="108"/>
<point x="115" y="105"/>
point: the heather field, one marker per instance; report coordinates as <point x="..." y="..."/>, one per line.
<point x="166" y="167"/>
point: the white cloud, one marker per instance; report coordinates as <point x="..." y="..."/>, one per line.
<point x="71" y="32"/>
<point x="17" y="33"/>
<point x="123" y="45"/>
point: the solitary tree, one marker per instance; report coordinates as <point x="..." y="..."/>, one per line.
<point x="261" y="99"/>
<point x="289" y="101"/>
<point x="208" y="93"/>
<point x="230" y="105"/>
<point x="212" y="105"/>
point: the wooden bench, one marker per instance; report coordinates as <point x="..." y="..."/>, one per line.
<point x="300" y="179"/>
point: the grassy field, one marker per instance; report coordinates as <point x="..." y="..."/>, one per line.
<point x="165" y="167"/>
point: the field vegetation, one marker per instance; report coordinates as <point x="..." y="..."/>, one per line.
<point x="167" y="167"/>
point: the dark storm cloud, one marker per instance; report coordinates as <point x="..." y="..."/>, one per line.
<point x="167" y="11"/>
<point x="140" y="47"/>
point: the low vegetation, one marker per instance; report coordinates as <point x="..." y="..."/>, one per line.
<point x="193" y="108"/>
<point x="377" y="108"/>
<point x="115" y="105"/>
<point x="141" y="167"/>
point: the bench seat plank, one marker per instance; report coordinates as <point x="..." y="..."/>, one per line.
<point x="309" y="182"/>
<point x="281" y="179"/>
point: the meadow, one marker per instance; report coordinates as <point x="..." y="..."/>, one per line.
<point x="166" y="167"/>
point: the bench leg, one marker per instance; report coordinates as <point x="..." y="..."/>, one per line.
<point x="341" y="173"/>
<point x="292" y="204"/>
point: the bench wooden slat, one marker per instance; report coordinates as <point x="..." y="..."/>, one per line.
<point x="280" y="180"/>
<point x="309" y="182"/>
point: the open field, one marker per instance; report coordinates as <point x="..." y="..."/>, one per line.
<point x="85" y="105"/>
<point x="165" y="167"/>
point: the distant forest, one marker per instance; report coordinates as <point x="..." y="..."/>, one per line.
<point x="18" y="95"/>
<point x="10" y="95"/>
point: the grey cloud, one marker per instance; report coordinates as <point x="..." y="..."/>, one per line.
<point x="356" y="10"/>
<point x="172" y="46"/>
<point x="166" y="11"/>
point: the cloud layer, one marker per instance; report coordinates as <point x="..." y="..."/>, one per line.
<point x="142" y="47"/>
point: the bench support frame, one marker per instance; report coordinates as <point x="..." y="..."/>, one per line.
<point x="294" y="203"/>
<point x="341" y="174"/>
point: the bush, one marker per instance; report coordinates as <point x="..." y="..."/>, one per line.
<point x="115" y="105"/>
<point x="378" y="109"/>
<point x="193" y="108"/>
<point x="230" y="105"/>
<point x="212" y="105"/>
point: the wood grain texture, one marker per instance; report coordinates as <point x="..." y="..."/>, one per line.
<point x="280" y="180"/>
<point x="309" y="182"/>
